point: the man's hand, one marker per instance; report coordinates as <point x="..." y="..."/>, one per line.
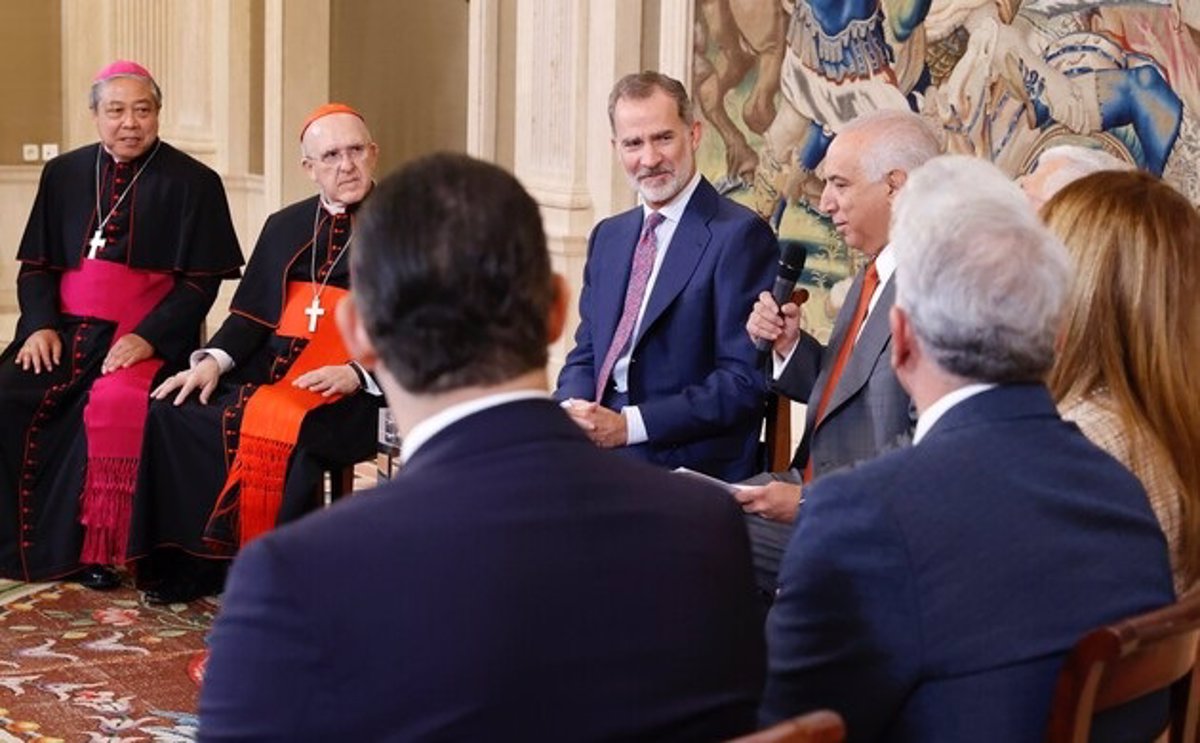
<point x="127" y="351"/>
<point x="42" y="350"/>
<point x="780" y="327"/>
<point x="339" y="379"/>
<point x="777" y="501"/>
<point x="203" y="377"/>
<point x="604" y="427"/>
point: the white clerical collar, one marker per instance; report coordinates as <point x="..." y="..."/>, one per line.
<point x="677" y="206"/>
<point x="334" y="207"/>
<point x="943" y="404"/>
<point x="427" y="428"/>
<point x="331" y="206"/>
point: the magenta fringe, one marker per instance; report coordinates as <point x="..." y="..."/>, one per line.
<point x="106" y="506"/>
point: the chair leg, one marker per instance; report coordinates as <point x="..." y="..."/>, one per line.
<point x="341" y="482"/>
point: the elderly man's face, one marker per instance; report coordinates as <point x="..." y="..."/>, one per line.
<point x="340" y="157"/>
<point x="860" y="208"/>
<point x="656" y="147"/>
<point x="127" y="117"/>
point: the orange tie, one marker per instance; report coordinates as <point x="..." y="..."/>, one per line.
<point x="869" y="284"/>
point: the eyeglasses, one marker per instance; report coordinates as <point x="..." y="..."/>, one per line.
<point x="332" y="158"/>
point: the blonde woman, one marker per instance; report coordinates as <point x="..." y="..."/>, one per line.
<point x="1127" y="369"/>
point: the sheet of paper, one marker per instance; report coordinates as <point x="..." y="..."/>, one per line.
<point x="729" y="487"/>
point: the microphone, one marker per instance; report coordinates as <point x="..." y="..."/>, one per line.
<point x="792" y="255"/>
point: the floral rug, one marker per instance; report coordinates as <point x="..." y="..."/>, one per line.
<point x="101" y="667"/>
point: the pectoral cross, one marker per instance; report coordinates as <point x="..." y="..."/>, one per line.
<point x="97" y="242"/>
<point x="314" y="311"/>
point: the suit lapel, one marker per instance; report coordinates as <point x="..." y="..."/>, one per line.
<point x="616" y="259"/>
<point x="865" y="355"/>
<point x="687" y="247"/>
<point x="836" y="338"/>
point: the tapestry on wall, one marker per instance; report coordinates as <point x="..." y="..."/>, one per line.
<point x="1004" y="79"/>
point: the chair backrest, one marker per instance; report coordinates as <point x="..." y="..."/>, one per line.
<point x="778" y="435"/>
<point x="1124" y="661"/>
<point x="821" y="726"/>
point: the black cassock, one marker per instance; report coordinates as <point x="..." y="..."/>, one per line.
<point x="173" y="220"/>
<point x="188" y="449"/>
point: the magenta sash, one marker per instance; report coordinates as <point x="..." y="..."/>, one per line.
<point x="115" y="414"/>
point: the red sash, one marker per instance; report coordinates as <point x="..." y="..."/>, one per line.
<point x="115" y="414"/>
<point x="273" y="415"/>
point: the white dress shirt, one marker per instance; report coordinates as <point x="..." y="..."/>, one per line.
<point x="885" y="266"/>
<point x="427" y="428"/>
<point x="943" y="404"/>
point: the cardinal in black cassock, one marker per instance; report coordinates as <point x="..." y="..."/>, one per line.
<point x="219" y="472"/>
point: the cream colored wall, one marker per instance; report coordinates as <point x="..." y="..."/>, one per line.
<point x="403" y="63"/>
<point x="17" y="184"/>
<point x="30" y="31"/>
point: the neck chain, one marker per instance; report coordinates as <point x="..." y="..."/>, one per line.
<point x="98" y="241"/>
<point x="315" y="310"/>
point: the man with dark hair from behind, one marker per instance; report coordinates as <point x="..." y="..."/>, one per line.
<point x="514" y="582"/>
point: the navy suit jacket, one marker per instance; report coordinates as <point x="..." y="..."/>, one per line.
<point x="694" y="373"/>
<point x="513" y="583"/>
<point x="931" y="594"/>
<point x="869" y="411"/>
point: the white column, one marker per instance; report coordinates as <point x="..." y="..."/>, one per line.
<point x="568" y="55"/>
<point x="296" y="80"/>
<point x="675" y="39"/>
<point x="483" y="62"/>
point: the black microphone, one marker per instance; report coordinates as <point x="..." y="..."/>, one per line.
<point x="792" y="255"/>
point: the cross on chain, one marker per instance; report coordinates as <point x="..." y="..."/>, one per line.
<point x="314" y="311"/>
<point x="97" y="242"/>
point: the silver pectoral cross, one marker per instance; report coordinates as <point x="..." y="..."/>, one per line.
<point x="314" y="311"/>
<point x="97" y="242"/>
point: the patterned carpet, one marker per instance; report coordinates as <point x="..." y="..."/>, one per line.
<point x="101" y="667"/>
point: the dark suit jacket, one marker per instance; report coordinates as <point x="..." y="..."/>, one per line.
<point x="930" y="595"/>
<point x="869" y="412"/>
<point x="694" y="372"/>
<point x="513" y="583"/>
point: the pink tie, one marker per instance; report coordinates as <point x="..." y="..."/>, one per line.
<point x="639" y="276"/>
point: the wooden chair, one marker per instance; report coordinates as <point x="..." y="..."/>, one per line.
<point x="822" y="726"/>
<point x="1121" y="662"/>
<point x="778" y="434"/>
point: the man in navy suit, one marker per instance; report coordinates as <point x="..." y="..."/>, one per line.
<point x="514" y="582"/>
<point x="931" y="594"/>
<point x="661" y="367"/>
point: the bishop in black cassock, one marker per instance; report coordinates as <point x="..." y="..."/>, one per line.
<point x="128" y="239"/>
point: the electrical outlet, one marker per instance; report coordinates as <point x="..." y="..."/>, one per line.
<point x="49" y="150"/>
<point x="29" y="153"/>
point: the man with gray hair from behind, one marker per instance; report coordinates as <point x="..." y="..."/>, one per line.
<point x="906" y="599"/>
<point x="1063" y="164"/>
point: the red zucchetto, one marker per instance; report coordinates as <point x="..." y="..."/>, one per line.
<point x="325" y="110"/>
